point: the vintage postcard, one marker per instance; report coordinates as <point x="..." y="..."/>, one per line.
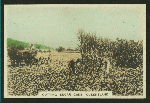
<point x="75" y="51"/>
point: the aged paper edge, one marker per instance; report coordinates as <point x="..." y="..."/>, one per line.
<point x="140" y="7"/>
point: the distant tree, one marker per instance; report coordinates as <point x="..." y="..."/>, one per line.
<point x="16" y="44"/>
<point x="38" y="46"/>
<point x="52" y="49"/>
<point x="20" y="47"/>
<point x="60" y="49"/>
<point x="76" y="49"/>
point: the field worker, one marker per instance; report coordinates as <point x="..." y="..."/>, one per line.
<point x="71" y="66"/>
<point x="107" y="64"/>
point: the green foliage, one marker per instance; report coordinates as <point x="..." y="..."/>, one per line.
<point x="16" y="44"/>
<point x="60" y="49"/>
<point x="22" y="45"/>
<point x="39" y="46"/>
<point x="52" y="49"/>
<point x="126" y="53"/>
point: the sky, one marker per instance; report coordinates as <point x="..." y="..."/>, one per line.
<point x="56" y="26"/>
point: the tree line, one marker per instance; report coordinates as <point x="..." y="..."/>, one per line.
<point x="122" y="53"/>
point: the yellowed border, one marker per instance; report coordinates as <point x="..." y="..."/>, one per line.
<point x="140" y="7"/>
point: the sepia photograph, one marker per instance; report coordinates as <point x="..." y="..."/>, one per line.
<point x="75" y="51"/>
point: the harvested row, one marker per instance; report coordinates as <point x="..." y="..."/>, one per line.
<point x="30" y="81"/>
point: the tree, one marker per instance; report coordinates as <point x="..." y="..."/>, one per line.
<point x="76" y="49"/>
<point x="60" y="49"/>
<point x="38" y="46"/>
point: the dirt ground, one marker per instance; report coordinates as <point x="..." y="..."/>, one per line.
<point x="59" y="55"/>
<point x="59" y="60"/>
